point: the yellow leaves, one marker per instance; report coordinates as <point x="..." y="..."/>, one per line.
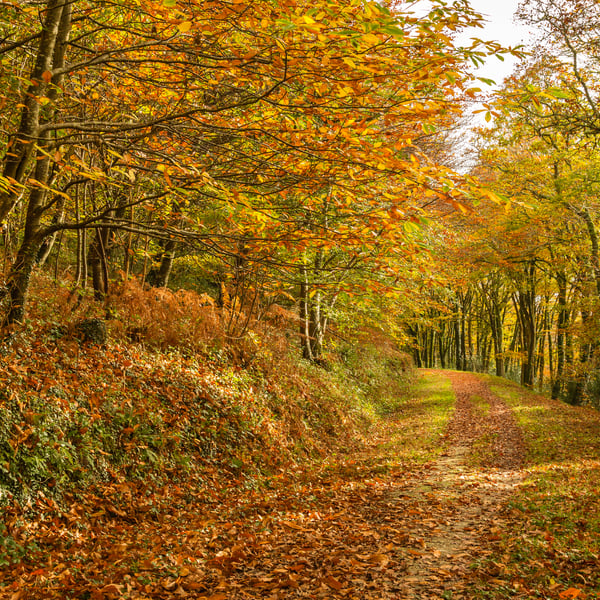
<point x="40" y="184"/>
<point x="344" y="92"/>
<point x="451" y="76"/>
<point x="472" y="92"/>
<point x="185" y="26"/>
<point x="494" y="197"/>
<point x="307" y="22"/>
<point x="371" y="39"/>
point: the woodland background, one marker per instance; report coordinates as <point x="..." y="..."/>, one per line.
<point x="308" y="165"/>
<point x="231" y="229"/>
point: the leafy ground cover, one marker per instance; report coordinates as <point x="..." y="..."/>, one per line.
<point x="134" y="472"/>
<point x="158" y="476"/>
<point x="122" y="465"/>
<point x="551" y="538"/>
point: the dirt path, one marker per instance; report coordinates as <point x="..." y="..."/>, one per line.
<point x="464" y="500"/>
<point x="394" y="538"/>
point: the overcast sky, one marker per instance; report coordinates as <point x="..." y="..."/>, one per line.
<point x="500" y="27"/>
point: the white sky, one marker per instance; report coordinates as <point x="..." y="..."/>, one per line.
<point x="500" y="27"/>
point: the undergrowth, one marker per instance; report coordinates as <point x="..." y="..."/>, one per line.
<point x="181" y="406"/>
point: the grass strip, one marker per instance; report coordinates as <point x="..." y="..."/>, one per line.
<point x="550" y="544"/>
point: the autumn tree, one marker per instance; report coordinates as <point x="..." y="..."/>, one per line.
<point x="300" y="128"/>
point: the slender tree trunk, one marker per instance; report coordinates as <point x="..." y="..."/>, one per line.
<point x="561" y="328"/>
<point x="578" y="384"/>
<point x="525" y="306"/>
<point x="457" y="344"/>
<point x="158" y="276"/>
<point x="98" y="262"/>
<point x="512" y="346"/>
<point x="21" y="147"/>
<point x="304" y="314"/>
<point x="442" y="347"/>
<point x="51" y="54"/>
<point x="18" y="281"/>
<point x="414" y="334"/>
<point x="48" y="243"/>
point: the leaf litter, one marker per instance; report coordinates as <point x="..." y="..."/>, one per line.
<point x="352" y="530"/>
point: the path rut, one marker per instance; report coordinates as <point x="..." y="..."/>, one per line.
<point x="465" y="499"/>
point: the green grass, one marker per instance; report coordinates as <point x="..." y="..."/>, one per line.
<point x="482" y="406"/>
<point x="421" y="419"/>
<point x="551" y="541"/>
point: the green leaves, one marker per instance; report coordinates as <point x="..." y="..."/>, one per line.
<point x="559" y="93"/>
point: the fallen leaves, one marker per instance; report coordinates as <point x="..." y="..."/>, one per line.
<point x="570" y="593"/>
<point x="349" y="531"/>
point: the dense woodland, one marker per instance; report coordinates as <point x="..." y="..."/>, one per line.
<point x="300" y="163"/>
<point x="524" y="301"/>
<point x="229" y="231"/>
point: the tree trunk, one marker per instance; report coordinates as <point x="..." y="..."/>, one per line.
<point x="98" y="262"/>
<point x="525" y="306"/>
<point x="304" y="313"/>
<point x="19" y="277"/>
<point x="561" y="329"/>
<point x="51" y="54"/>
<point x="21" y="147"/>
<point x="158" y="276"/>
<point x="48" y="243"/>
<point x="441" y="347"/>
<point x="457" y="344"/>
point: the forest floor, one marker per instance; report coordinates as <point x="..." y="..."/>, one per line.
<point x="500" y="502"/>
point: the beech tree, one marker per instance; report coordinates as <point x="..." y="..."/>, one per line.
<point x="146" y="119"/>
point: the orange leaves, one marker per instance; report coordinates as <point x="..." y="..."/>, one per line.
<point x="570" y="593"/>
<point x="333" y="583"/>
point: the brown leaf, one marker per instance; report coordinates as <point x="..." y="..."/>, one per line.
<point x="169" y="584"/>
<point x="294" y="526"/>
<point x="333" y="583"/>
<point x="379" y="559"/>
<point x="112" y="590"/>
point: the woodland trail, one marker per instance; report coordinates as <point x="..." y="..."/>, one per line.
<point x="360" y="530"/>
<point x="464" y="501"/>
<point x="399" y="537"/>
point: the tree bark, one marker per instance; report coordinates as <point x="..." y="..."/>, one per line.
<point x="561" y="327"/>
<point x="158" y="276"/>
<point x="51" y="55"/>
<point x="21" y="147"/>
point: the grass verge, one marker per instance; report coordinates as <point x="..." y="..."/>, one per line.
<point x="550" y="547"/>
<point x="415" y="434"/>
